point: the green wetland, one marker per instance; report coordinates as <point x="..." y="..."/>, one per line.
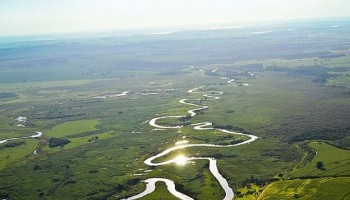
<point x="94" y="100"/>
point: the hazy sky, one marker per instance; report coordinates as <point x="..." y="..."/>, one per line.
<point x="19" y="17"/>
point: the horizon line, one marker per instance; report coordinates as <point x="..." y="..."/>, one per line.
<point x="177" y="28"/>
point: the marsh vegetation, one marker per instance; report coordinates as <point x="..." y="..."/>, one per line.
<point x="289" y="89"/>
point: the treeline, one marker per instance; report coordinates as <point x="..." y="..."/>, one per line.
<point x="218" y="156"/>
<point x="319" y="73"/>
<point x="180" y="187"/>
<point x="259" y="181"/>
<point x="337" y="137"/>
<point x="13" y="144"/>
<point x="230" y="127"/>
<point x="325" y="134"/>
<point x="88" y="133"/>
<point x="59" y="115"/>
<point x="231" y="142"/>
<point x="310" y="153"/>
<point x="322" y="54"/>
<point x="185" y="118"/>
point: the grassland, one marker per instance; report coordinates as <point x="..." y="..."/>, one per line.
<point x="126" y="139"/>
<point x="16" y="155"/>
<point x="72" y="127"/>
<point x="319" y="188"/>
<point x="161" y="192"/>
<point x="287" y="103"/>
<point x="334" y="169"/>
<point x="335" y="162"/>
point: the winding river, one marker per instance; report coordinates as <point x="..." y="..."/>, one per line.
<point x="150" y="183"/>
<point x="37" y="134"/>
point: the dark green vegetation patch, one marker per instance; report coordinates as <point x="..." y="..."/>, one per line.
<point x="58" y="142"/>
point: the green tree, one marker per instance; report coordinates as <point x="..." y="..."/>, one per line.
<point x="320" y="165"/>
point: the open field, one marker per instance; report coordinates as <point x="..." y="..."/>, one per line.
<point x="11" y="156"/>
<point x="319" y="188"/>
<point x="334" y="169"/>
<point x="335" y="162"/>
<point x="161" y="192"/>
<point x="72" y="127"/>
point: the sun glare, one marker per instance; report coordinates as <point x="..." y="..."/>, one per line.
<point x="181" y="160"/>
